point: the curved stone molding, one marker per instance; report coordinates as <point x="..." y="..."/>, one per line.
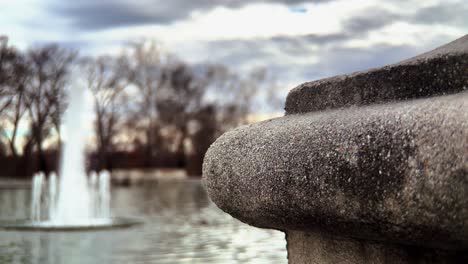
<point x="370" y="167"/>
<point x="438" y="72"/>
<point x="394" y="172"/>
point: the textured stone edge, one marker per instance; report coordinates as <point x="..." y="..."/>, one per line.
<point x="282" y="173"/>
<point x="443" y="70"/>
<point x="318" y="247"/>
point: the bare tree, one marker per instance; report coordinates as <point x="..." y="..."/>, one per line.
<point x="14" y="73"/>
<point x="146" y="74"/>
<point x="235" y="97"/>
<point x="10" y="68"/>
<point x="181" y="102"/>
<point x="171" y="93"/>
<point x="45" y="93"/>
<point x="107" y="81"/>
<point x="6" y="56"/>
<point x="179" y="96"/>
<point x="203" y="127"/>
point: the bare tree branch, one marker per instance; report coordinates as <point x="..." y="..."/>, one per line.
<point x="45" y="92"/>
<point x="107" y="80"/>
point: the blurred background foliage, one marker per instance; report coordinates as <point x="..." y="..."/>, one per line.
<point x="150" y="109"/>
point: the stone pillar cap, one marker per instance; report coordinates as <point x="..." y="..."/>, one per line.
<point x="441" y="71"/>
<point x="395" y="172"/>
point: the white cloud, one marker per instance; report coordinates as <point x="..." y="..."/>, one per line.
<point x="26" y="22"/>
<point x="251" y="21"/>
<point x="404" y="33"/>
<point x="246" y="35"/>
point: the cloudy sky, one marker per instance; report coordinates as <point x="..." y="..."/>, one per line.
<point x="296" y="40"/>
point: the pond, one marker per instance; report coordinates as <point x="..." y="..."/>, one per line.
<point x="181" y="225"/>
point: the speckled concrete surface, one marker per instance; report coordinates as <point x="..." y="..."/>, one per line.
<point x="320" y="248"/>
<point x="438" y="72"/>
<point x="396" y="172"/>
<point x="361" y="169"/>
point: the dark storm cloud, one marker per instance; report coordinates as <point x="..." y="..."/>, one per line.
<point x="448" y="14"/>
<point x="239" y="52"/>
<point x="101" y="15"/>
<point x="284" y="56"/>
<point x="265" y="49"/>
<point x="342" y="60"/>
<point x="311" y="57"/>
<point x="107" y="14"/>
<point x="444" y="14"/>
<point x="370" y="19"/>
<point x="104" y="14"/>
<point x="297" y="41"/>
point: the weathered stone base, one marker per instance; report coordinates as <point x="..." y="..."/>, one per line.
<point x="320" y="248"/>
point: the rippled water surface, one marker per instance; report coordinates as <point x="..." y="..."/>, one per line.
<point x="181" y="226"/>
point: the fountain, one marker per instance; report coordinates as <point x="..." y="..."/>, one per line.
<point x="72" y="201"/>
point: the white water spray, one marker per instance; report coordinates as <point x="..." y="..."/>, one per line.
<point x="52" y="195"/>
<point x="94" y="197"/>
<point x="104" y="191"/>
<point x="36" y="197"/>
<point x="72" y="200"/>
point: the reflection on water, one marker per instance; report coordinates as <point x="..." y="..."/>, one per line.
<point x="181" y="226"/>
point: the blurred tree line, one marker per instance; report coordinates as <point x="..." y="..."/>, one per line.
<point x="151" y="109"/>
